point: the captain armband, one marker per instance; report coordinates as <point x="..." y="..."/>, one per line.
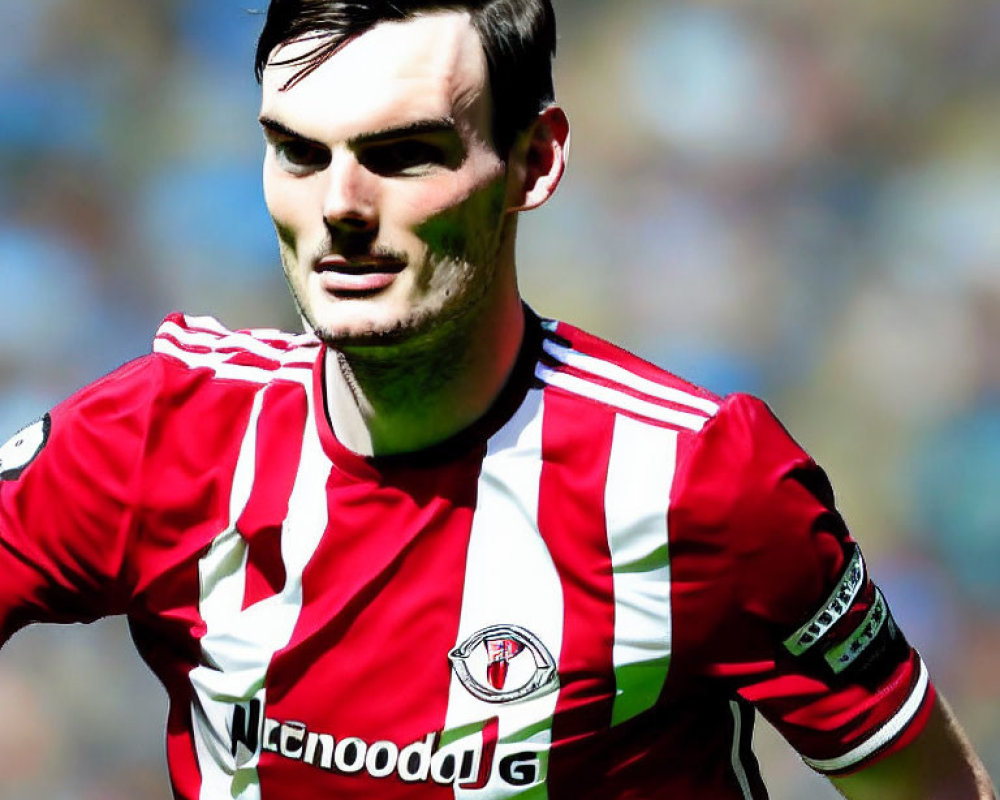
<point x="852" y="637"/>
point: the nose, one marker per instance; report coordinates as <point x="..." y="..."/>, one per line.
<point x="350" y="202"/>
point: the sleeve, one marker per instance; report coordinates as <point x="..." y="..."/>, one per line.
<point x="805" y="634"/>
<point x="67" y="503"/>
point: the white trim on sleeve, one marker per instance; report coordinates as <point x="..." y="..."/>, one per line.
<point x="884" y="735"/>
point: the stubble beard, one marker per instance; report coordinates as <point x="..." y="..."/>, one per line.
<point x="402" y="364"/>
<point x="428" y="326"/>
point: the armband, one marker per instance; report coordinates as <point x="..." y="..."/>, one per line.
<point x="852" y="637"/>
<point x="833" y="610"/>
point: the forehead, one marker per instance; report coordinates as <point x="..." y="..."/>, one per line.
<point x="429" y="67"/>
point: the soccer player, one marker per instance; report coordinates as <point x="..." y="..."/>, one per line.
<point x="438" y="546"/>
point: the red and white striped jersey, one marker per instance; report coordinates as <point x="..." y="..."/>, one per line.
<point x="586" y="594"/>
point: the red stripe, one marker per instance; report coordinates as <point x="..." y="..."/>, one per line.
<point x="283" y="416"/>
<point x="184" y="322"/>
<point x="278" y="339"/>
<point x="182" y="759"/>
<point x="576" y="448"/>
<point x="615" y="409"/>
<point x="257" y="360"/>
<point x="200" y="349"/>
<point x="190" y="465"/>
<point x="638" y="394"/>
<point x="588" y="344"/>
<point x="381" y="604"/>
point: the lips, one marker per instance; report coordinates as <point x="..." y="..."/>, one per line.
<point x="362" y="275"/>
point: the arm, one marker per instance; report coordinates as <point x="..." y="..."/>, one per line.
<point x="66" y="509"/>
<point x="940" y="764"/>
<point x="821" y="656"/>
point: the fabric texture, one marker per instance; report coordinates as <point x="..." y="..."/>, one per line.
<point x="586" y="594"/>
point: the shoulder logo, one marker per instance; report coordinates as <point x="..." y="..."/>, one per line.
<point x="22" y="448"/>
<point x="504" y="663"/>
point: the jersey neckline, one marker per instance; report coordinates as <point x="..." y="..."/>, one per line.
<point x="471" y="439"/>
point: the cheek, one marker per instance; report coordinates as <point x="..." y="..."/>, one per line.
<point x="414" y="203"/>
<point x="288" y="200"/>
<point x="468" y="229"/>
<point x="451" y="194"/>
<point x="291" y="205"/>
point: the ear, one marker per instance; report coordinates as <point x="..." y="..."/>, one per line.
<point x="541" y="156"/>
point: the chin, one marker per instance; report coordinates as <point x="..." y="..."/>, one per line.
<point x="346" y="321"/>
<point x="373" y="331"/>
<point x="363" y="332"/>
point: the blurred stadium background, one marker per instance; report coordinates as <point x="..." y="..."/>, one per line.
<point x="796" y="198"/>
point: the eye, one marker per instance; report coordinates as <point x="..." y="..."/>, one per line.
<point x="299" y="156"/>
<point x="405" y="157"/>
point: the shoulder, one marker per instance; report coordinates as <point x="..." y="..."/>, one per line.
<point x="252" y="355"/>
<point x="190" y="351"/>
<point x="748" y="493"/>
<point x="594" y="370"/>
<point x="743" y="490"/>
<point x="738" y="429"/>
<point x="197" y="370"/>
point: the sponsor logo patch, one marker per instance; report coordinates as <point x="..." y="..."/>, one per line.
<point x="467" y="762"/>
<point x="504" y="663"/>
<point x="23" y="447"/>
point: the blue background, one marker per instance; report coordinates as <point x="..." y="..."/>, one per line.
<point x="799" y="199"/>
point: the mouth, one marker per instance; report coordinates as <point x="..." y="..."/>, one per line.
<point x="360" y="265"/>
<point x="358" y="276"/>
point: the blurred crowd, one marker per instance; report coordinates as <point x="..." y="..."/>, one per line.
<point x="796" y="198"/>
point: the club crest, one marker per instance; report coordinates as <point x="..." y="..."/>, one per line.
<point x="504" y="663"/>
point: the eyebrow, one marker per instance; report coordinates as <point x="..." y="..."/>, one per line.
<point x="421" y="127"/>
<point x="273" y="126"/>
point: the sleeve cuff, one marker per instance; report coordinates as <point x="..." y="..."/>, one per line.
<point x="895" y="733"/>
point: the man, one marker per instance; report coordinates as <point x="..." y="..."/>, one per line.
<point x="438" y="546"/>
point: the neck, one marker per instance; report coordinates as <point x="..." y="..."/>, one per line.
<point x="382" y="401"/>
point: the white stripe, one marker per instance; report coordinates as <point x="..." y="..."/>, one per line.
<point x="614" y="372"/>
<point x="620" y="400"/>
<point x="884" y="735"/>
<point x="510" y="579"/>
<point x="219" y="364"/>
<point x="239" y="644"/>
<point x="212" y="324"/>
<point x="244" y="341"/>
<point x="737" y="761"/>
<point x="277" y="334"/>
<point x="221" y="574"/>
<point x="637" y="497"/>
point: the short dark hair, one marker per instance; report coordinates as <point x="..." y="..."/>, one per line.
<point x="518" y="38"/>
